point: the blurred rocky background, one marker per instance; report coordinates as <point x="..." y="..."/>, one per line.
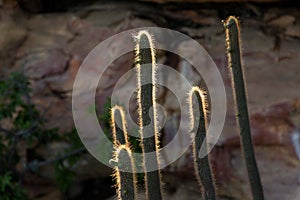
<point x="48" y="41"/>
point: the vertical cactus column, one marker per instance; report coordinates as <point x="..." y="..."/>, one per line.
<point x="201" y="165"/>
<point x="125" y="180"/>
<point x="235" y="66"/>
<point x="146" y="66"/>
<point x="124" y="163"/>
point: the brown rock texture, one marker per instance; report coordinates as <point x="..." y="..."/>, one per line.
<point x="214" y="1"/>
<point x="51" y="47"/>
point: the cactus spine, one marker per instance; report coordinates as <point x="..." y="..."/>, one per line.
<point x="120" y="135"/>
<point x="126" y="180"/>
<point x="124" y="169"/>
<point x="145" y="55"/>
<point x="235" y="66"/>
<point x="201" y="165"/>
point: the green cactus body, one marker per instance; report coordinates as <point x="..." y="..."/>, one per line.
<point x="120" y="135"/>
<point x="235" y="66"/>
<point x="145" y="55"/>
<point x="124" y="169"/>
<point x="201" y="165"/>
<point x="125" y="178"/>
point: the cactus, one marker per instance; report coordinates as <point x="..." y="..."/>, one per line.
<point x="120" y="135"/>
<point x="201" y="165"/>
<point x="145" y="55"/>
<point x="235" y="66"/>
<point x="146" y="99"/>
<point x="126" y="180"/>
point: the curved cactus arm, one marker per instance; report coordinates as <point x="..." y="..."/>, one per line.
<point x="120" y="135"/>
<point x="202" y="165"/>
<point x="124" y="173"/>
<point x="146" y="68"/>
<point x="235" y="66"/>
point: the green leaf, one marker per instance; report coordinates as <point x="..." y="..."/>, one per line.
<point x="64" y="176"/>
<point x="5" y="181"/>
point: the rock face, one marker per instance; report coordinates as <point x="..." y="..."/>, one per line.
<point x="272" y="131"/>
<point x="50" y="48"/>
<point x="12" y="38"/>
<point x="37" y="6"/>
<point x="46" y="63"/>
<point x="209" y="1"/>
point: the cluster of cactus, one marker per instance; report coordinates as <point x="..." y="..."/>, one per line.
<point x="125" y="180"/>
<point x="145" y="55"/>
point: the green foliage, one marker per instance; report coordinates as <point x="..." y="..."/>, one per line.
<point x="105" y="118"/>
<point x="19" y="121"/>
<point x="63" y="175"/>
<point x="9" y="189"/>
<point x="12" y="92"/>
<point x="22" y="123"/>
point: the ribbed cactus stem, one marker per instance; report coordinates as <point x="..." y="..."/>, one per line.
<point x="125" y="168"/>
<point x="201" y="165"/>
<point x="119" y="125"/>
<point x="146" y="67"/>
<point x="125" y="173"/>
<point x="235" y="66"/>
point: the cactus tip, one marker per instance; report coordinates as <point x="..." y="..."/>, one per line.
<point x="203" y="97"/>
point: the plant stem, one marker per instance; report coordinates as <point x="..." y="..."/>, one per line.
<point x="145" y="55"/>
<point x="201" y="165"/>
<point x="126" y="180"/>
<point x="235" y="66"/>
<point x="125" y="169"/>
<point x="120" y="135"/>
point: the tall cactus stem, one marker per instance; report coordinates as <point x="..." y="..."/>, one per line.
<point x="235" y="66"/>
<point x="202" y="165"/>
<point x="146" y="68"/>
<point x="124" y="173"/>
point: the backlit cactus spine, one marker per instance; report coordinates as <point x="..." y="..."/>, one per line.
<point x="146" y="96"/>
<point x="202" y="165"/>
<point x="124" y="173"/>
<point x="124" y="170"/>
<point x="120" y="135"/>
<point x="235" y="66"/>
